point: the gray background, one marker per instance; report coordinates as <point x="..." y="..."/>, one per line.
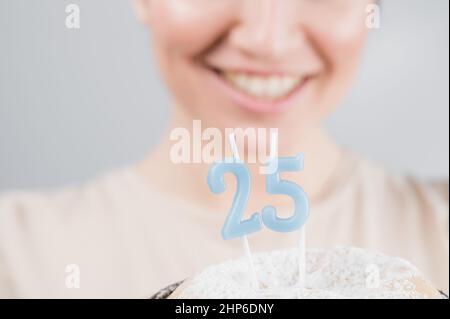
<point x="76" y="103"/>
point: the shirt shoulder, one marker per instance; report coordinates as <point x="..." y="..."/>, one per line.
<point x="64" y="201"/>
<point x="38" y="224"/>
<point x="404" y="194"/>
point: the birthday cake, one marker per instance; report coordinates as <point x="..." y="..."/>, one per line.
<point x="334" y="274"/>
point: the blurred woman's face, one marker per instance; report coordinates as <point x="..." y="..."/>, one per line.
<point x="259" y="63"/>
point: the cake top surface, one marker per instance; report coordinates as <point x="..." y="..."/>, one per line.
<point x="338" y="273"/>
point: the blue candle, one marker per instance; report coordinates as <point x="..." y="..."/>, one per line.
<point x="275" y="185"/>
<point x="234" y="225"/>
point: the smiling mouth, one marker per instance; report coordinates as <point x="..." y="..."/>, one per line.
<point x="261" y="92"/>
<point x="271" y="88"/>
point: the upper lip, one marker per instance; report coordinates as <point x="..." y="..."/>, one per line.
<point x="260" y="71"/>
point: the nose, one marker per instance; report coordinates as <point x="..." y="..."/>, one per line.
<point x="266" y="28"/>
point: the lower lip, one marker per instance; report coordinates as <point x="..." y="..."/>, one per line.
<point x="255" y="104"/>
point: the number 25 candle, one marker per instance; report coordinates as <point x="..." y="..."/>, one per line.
<point x="234" y="225"/>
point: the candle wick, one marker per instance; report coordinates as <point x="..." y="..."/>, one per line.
<point x="274" y="145"/>
<point x="302" y="258"/>
<point x="234" y="149"/>
<point x="248" y="253"/>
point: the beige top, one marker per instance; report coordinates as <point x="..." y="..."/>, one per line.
<point x="127" y="240"/>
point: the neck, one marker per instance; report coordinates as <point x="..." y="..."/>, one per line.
<point x="322" y="157"/>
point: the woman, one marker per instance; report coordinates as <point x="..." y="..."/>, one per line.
<point x="230" y="64"/>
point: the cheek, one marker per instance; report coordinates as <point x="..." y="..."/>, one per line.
<point x="188" y="26"/>
<point x="340" y="49"/>
<point x="341" y="45"/>
<point x="182" y="30"/>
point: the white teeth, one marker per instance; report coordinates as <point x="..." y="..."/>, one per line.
<point x="257" y="86"/>
<point x="272" y="87"/>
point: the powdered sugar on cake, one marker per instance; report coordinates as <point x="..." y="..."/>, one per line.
<point x="339" y="273"/>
